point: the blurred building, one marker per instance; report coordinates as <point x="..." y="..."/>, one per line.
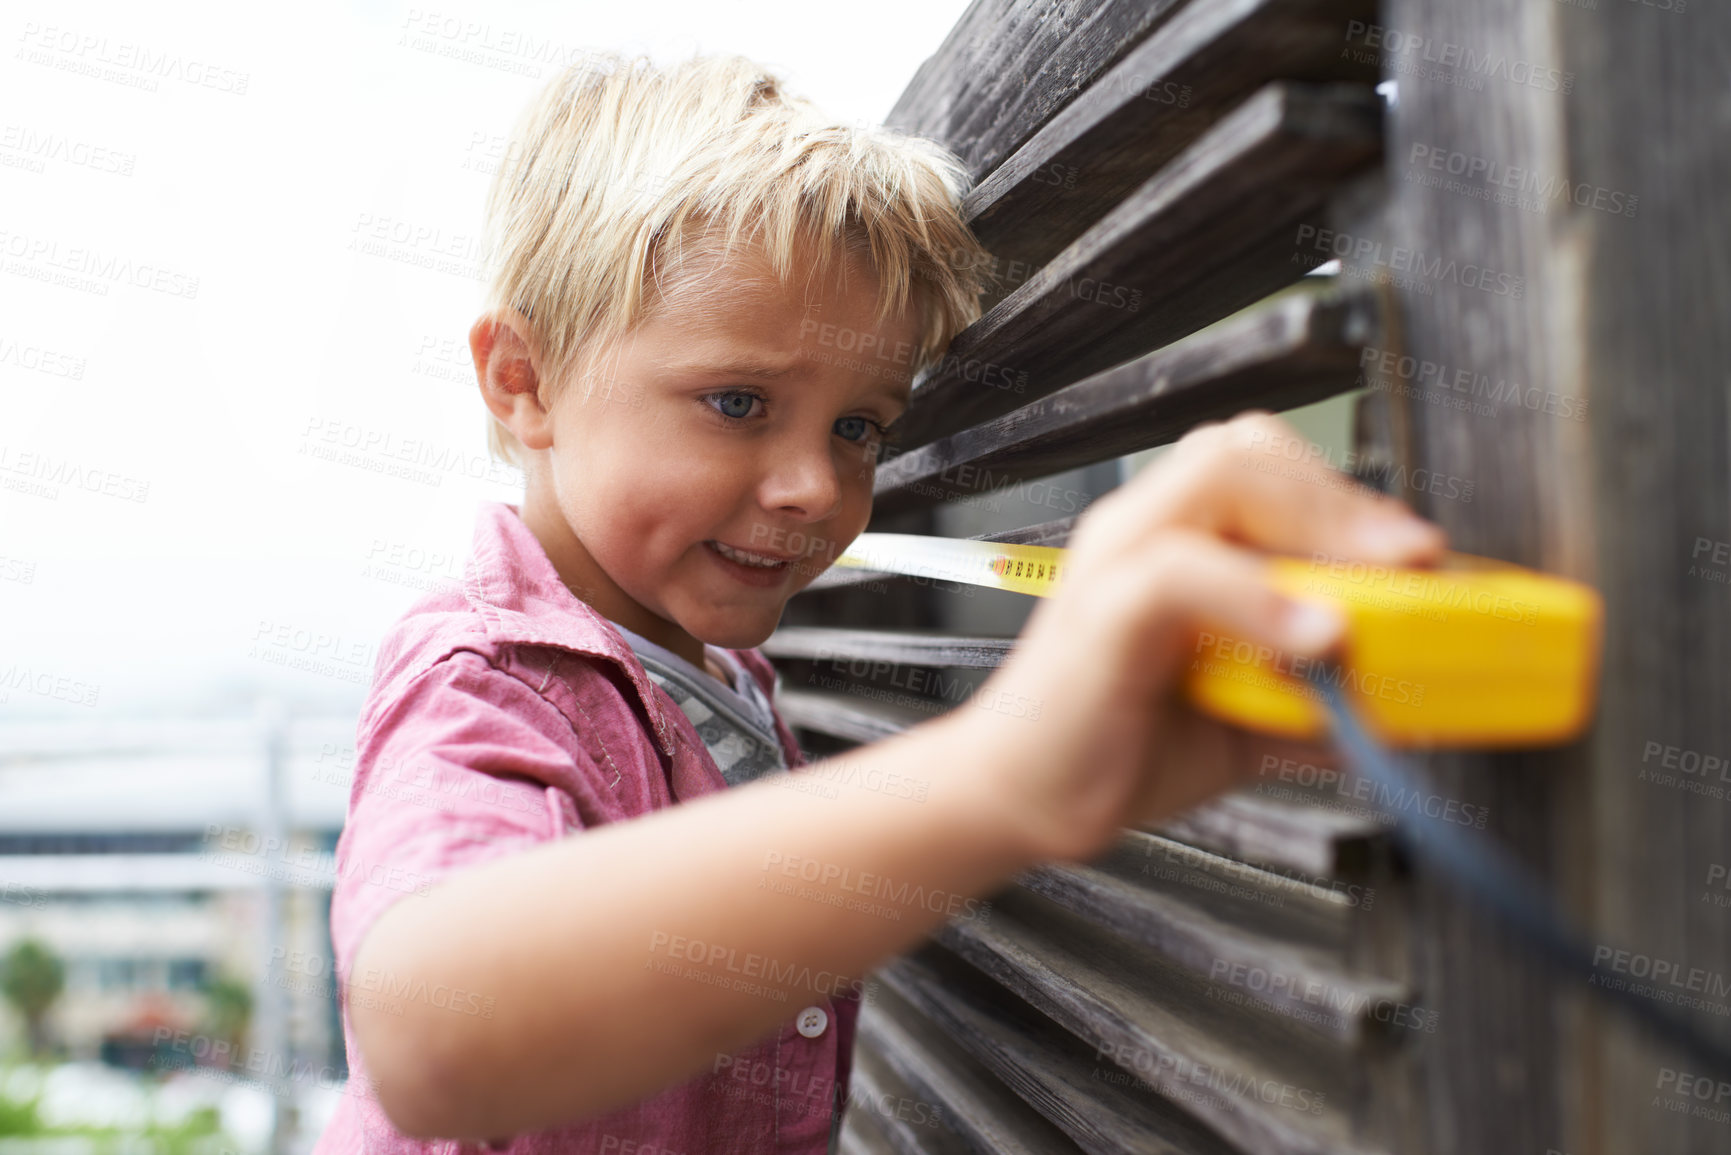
<point x="169" y="866"/>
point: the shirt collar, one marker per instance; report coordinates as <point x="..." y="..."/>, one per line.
<point x="513" y="586"/>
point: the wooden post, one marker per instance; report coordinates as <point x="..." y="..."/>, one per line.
<point x="1559" y="242"/>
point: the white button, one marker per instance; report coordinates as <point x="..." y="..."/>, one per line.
<point x="812" y="1021"/>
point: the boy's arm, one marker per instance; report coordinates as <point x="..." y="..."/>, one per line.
<point x="564" y="937"/>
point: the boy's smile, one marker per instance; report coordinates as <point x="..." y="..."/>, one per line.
<point x="740" y="417"/>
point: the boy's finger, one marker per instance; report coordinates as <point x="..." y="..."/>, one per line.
<point x="1257" y="480"/>
<point x="1183" y="586"/>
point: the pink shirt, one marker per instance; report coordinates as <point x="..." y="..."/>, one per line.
<point x="507" y="714"/>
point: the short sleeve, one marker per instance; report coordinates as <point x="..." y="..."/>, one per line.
<point x="456" y="771"/>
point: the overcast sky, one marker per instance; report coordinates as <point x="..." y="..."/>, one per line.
<point x="232" y="240"/>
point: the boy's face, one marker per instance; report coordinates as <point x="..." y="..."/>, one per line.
<point x="740" y="413"/>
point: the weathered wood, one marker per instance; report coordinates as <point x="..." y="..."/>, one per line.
<point x="1208" y="234"/>
<point x="1619" y="305"/>
<point x="1650" y="117"/>
<point x="1232" y="1070"/>
<point x="1299" y="908"/>
<point x="1045" y="1066"/>
<point x="1276" y="835"/>
<point x="1316" y="843"/>
<point x="1302" y="982"/>
<point x="1192" y="72"/>
<point x="861" y="1135"/>
<point x="1295" y="349"/>
<point x="1623" y="310"/>
<point x="1305" y="838"/>
<point x="1009" y="65"/>
<point x="976" y="1105"/>
<point x="894" y="646"/>
<point x="876" y="1082"/>
<point x="856" y="719"/>
<point x="1498" y="1074"/>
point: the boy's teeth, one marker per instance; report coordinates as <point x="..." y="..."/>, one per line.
<point x="745" y="558"/>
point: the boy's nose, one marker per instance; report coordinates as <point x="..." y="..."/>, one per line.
<point x="805" y="480"/>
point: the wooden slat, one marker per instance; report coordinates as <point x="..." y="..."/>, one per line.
<point x="1298" y="348"/>
<point x="1194" y="71"/>
<point x="1209" y="234"/>
<point x="874" y="1080"/>
<point x="1321" y="843"/>
<point x="1297" y="907"/>
<point x="1281" y="835"/>
<point x="1009" y="65"/>
<point x="976" y="1105"/>
<point x="1303" y="983"/>
<point x="1044" y="1065"/>
<point x="856" y="719"/>
<point x="1248" y="1078"/>
<point x="897" y="646"/>
<point x="861" y="1135"/>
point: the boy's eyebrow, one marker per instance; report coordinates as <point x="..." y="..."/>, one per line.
<point x="901" y="394"/>
<point x="739" y="368"/>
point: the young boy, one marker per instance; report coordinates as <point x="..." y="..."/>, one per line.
<point x="706" y="304"/>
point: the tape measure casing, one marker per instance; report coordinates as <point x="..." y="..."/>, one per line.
<point x="1476" y="652"/>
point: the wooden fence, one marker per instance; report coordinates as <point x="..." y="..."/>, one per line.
<point x="1529" y="311"/>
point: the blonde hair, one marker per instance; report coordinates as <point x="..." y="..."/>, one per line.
<point x="617" y="160"/>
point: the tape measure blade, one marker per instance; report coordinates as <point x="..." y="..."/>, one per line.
<point x="1029" y="569"/>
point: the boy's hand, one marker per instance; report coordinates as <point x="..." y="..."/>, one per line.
<point x="1175" y="551"/>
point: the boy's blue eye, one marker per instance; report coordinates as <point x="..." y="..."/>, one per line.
<point x="747" y="398"/>
<point x="735" y="405"/>
<point x="851" y="422"/>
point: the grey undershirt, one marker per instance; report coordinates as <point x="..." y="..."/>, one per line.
<point x="736" y="722"/>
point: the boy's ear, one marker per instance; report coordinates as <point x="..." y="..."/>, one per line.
<point x="508" y="370"/>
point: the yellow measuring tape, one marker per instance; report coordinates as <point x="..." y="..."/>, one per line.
<point x="1475" y="652"/>
<point x="1022" y="569"/>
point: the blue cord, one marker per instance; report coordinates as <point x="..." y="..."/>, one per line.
<point x="1487" y="875"/>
